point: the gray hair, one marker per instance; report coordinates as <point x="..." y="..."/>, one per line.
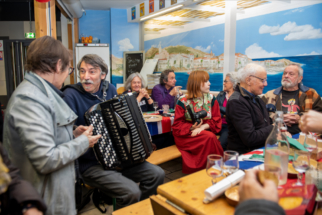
<point x="127" y="85"/>
<point x="233" y="78"/>
<point x="248" y="70"/>
<point x="164" y="76"/>
<point x="299" y="68"/>
<point x="94" y="60"/>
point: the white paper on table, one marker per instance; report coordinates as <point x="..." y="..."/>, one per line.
<point x="220" y="187"/>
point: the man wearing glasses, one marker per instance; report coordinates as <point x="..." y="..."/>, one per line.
<point x="248" y="122"/>
<point x="293" y="98"/>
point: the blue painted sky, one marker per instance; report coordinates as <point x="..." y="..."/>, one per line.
<point x="293" y="27"/>
<point x="206" y="39"/>
<point x="125" y="35"/>
<point x="96" y="23"/>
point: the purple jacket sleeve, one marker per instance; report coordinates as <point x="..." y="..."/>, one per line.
<point x="158" y="97"/>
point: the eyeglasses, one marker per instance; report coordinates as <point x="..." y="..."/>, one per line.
<point x="70" y="70"/>
<point x="225" y="81"/>
<point x="262" y="79"/>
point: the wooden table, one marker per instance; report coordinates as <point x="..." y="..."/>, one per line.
<point x="188" y="193"/>
<point x="141" y="208"/>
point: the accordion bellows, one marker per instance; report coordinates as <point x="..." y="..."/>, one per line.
<point x="125" y="139"/>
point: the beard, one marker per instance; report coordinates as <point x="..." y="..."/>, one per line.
<point x="288" y="83"/>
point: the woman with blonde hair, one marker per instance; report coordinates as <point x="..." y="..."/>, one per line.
<point x="196" y="141"/>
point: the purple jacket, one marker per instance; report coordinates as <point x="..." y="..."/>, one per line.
<point x="161" y="95"/>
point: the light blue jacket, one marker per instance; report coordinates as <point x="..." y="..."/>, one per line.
<point x="38" y="135"/>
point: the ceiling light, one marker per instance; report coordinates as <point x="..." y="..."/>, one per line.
<point x="161" y="12"/>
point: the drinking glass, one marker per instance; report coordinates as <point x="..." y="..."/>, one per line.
<point x="155" y="106"/>
<point x="214" y="167"/>
<point x="311" y="147"/>
<point x="301" y="163"/>
<point x="165" y="108"/>
<point x="231" y="163"/>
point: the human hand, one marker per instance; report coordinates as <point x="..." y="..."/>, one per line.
<point x="91" y="139"/>
<point x="311" y="121"/>
<point x="196" y="125"/>
<point x="33" y="211"/>
<point x="291" y="119"/>
<point x="79" y="130"/>
<point x="174" y="91"/>
<point x="141" y="93"/>
<point x="196" y="131"/>
<point x="154" y="147"/>
<point x="250" y="188"/>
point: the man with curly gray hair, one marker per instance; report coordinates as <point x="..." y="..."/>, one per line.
<point x="248" y="122"/>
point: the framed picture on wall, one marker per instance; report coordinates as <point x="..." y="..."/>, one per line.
<point x="142" y="9"/>
<point x="173" y="2"/>
<point x="161" y="4"/>
<point x="151" y="6"/>
<point x="133" y="12"/>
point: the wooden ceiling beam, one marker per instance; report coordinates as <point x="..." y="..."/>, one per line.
<point x="171" y="18"/>
<point x="45" y="19"/>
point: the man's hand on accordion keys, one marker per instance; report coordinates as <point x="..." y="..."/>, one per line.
<point x="91" y="139"/>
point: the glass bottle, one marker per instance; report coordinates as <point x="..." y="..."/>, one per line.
<point x="277" y="147"/>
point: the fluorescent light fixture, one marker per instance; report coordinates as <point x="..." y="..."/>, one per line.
<point x="161" y="12"/>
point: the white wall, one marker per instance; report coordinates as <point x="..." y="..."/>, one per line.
<point x="64" y="30"/>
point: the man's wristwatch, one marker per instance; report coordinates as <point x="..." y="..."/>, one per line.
<point x="148" y="98"/>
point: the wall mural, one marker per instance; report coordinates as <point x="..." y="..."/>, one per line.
<point x="125" y="37"/>
<point x="273" y="40"/>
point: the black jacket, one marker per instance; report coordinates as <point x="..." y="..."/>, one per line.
<point x="221" y="98"/>
<point x="146" y="107"/>
<point x="248" y="122"/>
<point x="19" y="192"/>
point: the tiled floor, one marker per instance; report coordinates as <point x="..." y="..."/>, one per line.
<point x="172" y="171"/>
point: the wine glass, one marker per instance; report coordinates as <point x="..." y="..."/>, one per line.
<point x="214" y="167"/>
<point x="231" y="163"/>
<point x="155" y="106"/>
<point x="301" y="163"/>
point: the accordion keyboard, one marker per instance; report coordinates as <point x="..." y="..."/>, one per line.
<point x="136" y="148"/>
<point x="104" y="144"/>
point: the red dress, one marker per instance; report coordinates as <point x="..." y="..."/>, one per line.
<point x="194" y="150"/>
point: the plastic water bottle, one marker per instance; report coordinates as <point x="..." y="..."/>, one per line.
<point x="277" y="147"/>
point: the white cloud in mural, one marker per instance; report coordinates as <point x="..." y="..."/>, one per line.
<point x="203" y="49"/>
<point x="294" y="31"/>
<point x="125" y="45"/>
<point x="255" y="51"/>
<point x="312" y="53"/>
<point x="221" y="40"/>
<point x="294" y="11"/>
<point x="265" y="29"/>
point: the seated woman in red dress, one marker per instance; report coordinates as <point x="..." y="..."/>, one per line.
<point x="195" y="142"/>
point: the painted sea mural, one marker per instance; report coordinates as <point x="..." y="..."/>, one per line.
<point x="273" y="40"/>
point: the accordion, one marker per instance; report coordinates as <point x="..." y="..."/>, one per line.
<point x="125" y="139"/>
